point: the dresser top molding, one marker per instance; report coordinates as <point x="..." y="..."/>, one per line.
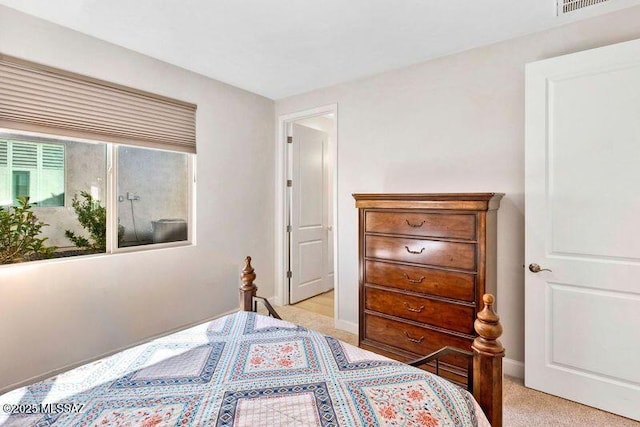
<point x="444" y="201"/>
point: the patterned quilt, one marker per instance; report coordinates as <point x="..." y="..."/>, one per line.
<point x="244" y="369"/>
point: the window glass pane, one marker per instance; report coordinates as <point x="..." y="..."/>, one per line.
<point x="34" y="170"/>
<point x="21" y="185"/>
<point x="153" y="197"/>
<point x="52" y="174"/>
<point x="85" y="198"/>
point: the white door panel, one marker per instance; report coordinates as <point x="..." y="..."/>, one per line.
<point x="595" y="119"/>
<point x="574" y="345"/>
<point x="309" y="251"/>
<point x="310" y="185"/>
<point x="582" y="319"/>
<point x="310" y="270"/>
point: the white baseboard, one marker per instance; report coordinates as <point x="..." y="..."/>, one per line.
<point x="346" y="326"/>
<point x="513" y="368"/>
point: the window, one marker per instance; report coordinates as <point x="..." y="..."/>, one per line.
<point x="33" y="170"/>
<point x="131" y="187"/>
<point x="69" y="188"/>
<point x="153" y="201"/>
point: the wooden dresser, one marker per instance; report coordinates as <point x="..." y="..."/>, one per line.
<point x="425" y="262"/>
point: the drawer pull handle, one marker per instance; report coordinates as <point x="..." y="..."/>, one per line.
<point x="409" y="279"/>
<point x="414" y="252"/>
<point x="415" y="310"/>
<point x="415" y="340"/>
<point x="414" y="225"/>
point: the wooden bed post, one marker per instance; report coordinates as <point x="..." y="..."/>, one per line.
<point x="248" y="288"/>
<point x="487" y="362"/>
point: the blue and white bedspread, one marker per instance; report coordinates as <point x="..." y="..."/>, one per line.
<point x="249" y="370"/>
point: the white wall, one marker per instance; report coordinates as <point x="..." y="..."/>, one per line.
<point x="60" y="312"/>
<point x="454" y="124"/>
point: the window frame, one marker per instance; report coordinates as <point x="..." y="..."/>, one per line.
<point x="111" y="196"/>
<point x="112" y="207"/>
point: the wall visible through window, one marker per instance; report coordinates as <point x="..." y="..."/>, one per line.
<point x="153" y="202"/>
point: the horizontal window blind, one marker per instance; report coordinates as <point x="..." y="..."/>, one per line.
<point x="25" y="155"/>
<point x="42" y="99"/>
<point x="3" y="153"/>
<point x="53" y="157"/>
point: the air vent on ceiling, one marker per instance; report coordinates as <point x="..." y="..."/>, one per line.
<point x="567" y="6"/>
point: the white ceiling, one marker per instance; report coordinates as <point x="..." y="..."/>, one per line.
<point x="278" y="48"/>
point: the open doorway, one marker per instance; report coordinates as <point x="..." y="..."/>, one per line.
<point x="308" y="249"/>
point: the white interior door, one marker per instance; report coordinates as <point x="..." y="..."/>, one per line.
<point x="309" y="248"/>
<point x="582" y="333"/>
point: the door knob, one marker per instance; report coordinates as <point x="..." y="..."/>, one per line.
<point x="535" y="268"/>
<point x="329" y="227"/>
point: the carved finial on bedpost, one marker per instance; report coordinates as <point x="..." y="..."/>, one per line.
<point x="487" y="362"/>
<point x="488" y="328"/>
<point x="248" y="288"/>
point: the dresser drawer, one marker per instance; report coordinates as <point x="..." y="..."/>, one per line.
<point x="455" y="226"/>
<point x="437" y="313"/>
<point x="429" y="252"/>
<point x="448" y="284"/>
<point x="417" y="340"/>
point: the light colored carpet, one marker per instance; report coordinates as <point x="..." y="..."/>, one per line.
<point x="523" y="407"/>
<point x="526" y="407"/>
<point x="320" y="304"/>
<point x="314" y="321"/>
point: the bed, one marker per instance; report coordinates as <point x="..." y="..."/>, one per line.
<point x="249" y="369"/>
